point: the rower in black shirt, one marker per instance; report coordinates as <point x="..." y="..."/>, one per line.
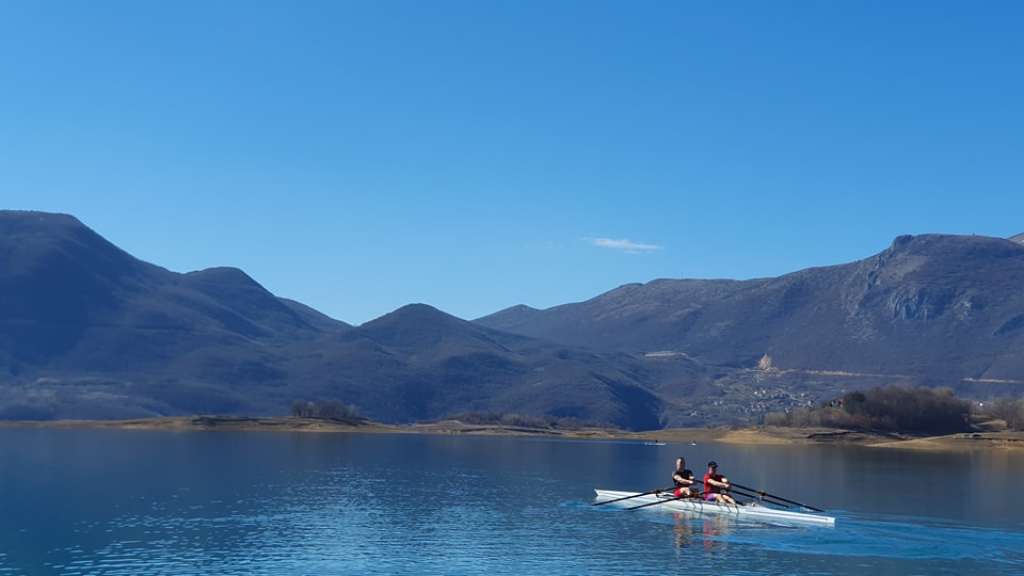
<point x="683" y="479"/>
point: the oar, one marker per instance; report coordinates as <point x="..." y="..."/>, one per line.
<point x="733" y="488"/>
<point x="661" y="502"/>
<point x="756" y="494"/>
<point x="763" y="494"/>
<point x="655" y="491"/>
<point x="780" y="498"/>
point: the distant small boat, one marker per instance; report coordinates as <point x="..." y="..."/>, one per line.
<point x="654" y="443"/>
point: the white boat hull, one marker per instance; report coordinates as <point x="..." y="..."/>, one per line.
<point x="701" y="506"/>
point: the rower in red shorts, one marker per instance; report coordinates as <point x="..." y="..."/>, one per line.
<point x="716" y="486"/>
<point x="683" y="479"/>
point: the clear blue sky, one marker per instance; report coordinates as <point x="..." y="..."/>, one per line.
<point x="473" y="155"/>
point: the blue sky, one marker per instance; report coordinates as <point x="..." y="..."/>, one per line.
<point x="474" y="155"/>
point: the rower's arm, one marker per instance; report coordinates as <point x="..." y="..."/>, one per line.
<point x="723" y="483"/>
<point x="682" y="480"/>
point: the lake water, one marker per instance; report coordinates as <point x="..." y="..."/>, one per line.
<point x="134" y="502"/>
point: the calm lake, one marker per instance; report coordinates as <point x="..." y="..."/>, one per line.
<point x="134" y="502"/>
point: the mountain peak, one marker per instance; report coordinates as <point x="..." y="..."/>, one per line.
<point x="949" y="247"/>
<point x="516" y="310"/>
<point x="1019" y="238"/>
<point x="412" y="313"/>
<point x="38" y="219"/>
<point x="31" y="229"/>
<point x="419" y="326"/>
<point x="227" y="275"/>
<point x="59" y="247"/>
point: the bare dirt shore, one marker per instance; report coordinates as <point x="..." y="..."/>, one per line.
<point x="763" y="435"/>
<point x="772" y="435"/>
<point x="212" y="423"/>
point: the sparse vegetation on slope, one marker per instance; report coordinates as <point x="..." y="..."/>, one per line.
<point x="519" y="420"/>
<point x="889" y="409"/>
<point x="1009" y="410"/>
<point x="326" y="409"/>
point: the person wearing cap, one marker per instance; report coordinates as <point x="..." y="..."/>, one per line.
<point x="716" y="485"/>
<point x="683" y="479"/>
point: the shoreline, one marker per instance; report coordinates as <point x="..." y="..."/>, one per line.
<point x="751" y="436"/>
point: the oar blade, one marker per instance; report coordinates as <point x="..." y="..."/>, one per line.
<point x="655" y="491"/>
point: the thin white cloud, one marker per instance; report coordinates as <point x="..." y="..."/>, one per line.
<point x="623" y="245"/>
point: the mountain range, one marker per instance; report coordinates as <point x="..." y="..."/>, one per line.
<point x="89" y="331"/>
<point x="935" y="307"/>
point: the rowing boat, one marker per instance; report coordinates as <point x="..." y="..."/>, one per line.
<point x="700" y="506"/>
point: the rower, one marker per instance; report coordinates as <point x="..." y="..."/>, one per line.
<point x="716" y="485"/>
<point x="683" y="479"/>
